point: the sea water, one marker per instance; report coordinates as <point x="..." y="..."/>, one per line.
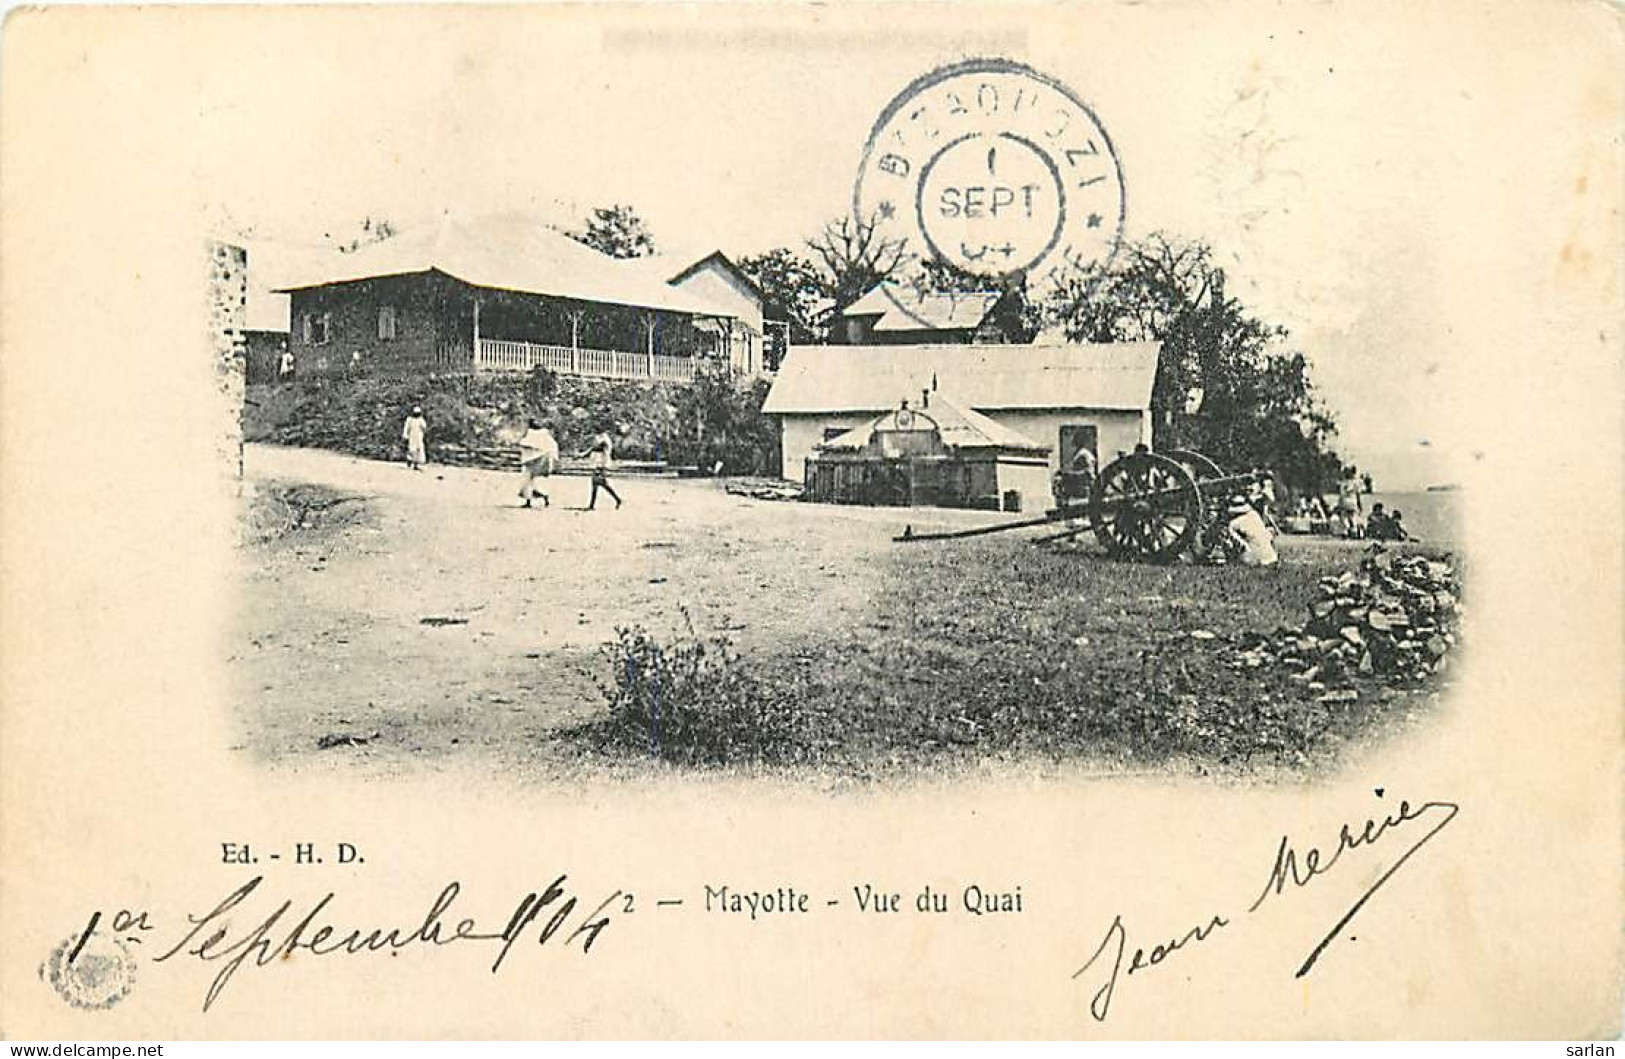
<point x="1430" y="516"/>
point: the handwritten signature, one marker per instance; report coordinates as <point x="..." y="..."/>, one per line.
<point x="278" y="935"/>
<point x="1292" y="868"/>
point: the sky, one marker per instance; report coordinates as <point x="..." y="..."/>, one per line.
<point x="1342" y="175"/>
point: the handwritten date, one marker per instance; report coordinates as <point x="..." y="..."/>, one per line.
<point x="231" y="937"/>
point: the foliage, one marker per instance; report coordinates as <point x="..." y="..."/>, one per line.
<point x="640" y="416"/>
<point x="794" y="285"/>
<point x="940" y="275"/>
<point x="371" y="232"/>
<point x="855" y="257"/>
<point x="363" y="416"/>
<point x="1257" y="406"/>
<point x="719" y="419"/>
<point x="617" y="231"/>
<point x="541" y="384"/>
<point x="690" y="702"/>
<point x="715" y="418"/>
<point x="852" y="259"/>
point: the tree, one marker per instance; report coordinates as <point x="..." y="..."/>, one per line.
<point x="617" y="231"/>
<point x="1223" y="385"/>
<point x="794" y="285"/>
<point x="855" y="257"/>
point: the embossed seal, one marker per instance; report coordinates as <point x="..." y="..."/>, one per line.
<point x="90" y="971"/>
<point x="995" y="169"/>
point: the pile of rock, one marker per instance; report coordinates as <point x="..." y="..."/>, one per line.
<point x="1394" y="619"/>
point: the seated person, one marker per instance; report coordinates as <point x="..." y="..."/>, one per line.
<point x="1376" y="526"/>
<point x="1247" y="539"/>
<point x="1396" y="527"/>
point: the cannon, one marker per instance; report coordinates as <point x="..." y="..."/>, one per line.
<point x="1149" y="506"/>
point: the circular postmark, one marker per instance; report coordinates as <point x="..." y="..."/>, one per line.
<point x="91" y="971"/>
<point x="995" y="170"/>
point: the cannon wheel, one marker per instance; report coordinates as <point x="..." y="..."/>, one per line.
<point x="1203" y="469"/>
<point x="1146" y="505"/>
<point x="1199" y="465"/>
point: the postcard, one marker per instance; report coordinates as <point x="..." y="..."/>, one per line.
<point x="811" y="521"/>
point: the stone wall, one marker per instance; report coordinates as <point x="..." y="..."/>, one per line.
<point x="227" y="312"/>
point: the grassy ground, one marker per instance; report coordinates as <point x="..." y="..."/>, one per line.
<point x="846" y="654"/>
<point x="999" y="646"/>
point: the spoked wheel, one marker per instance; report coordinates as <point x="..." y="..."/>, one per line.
<point x="1148" y="506"/>
<point x="1202" y="469"/>
<point x="1199" y="465"/>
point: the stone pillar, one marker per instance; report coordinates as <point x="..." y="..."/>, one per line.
<point x="228" y="310"/>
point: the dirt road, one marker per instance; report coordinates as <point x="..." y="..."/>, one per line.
<point x="333" y="642"/>
<point x="425" y="621"/>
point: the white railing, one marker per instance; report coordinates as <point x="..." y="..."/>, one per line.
<point x="501" y="355"/>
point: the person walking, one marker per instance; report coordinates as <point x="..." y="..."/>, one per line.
<point x="600" y="453"/>
<point x="414" y="432"/>
<point x="538" y="458"/>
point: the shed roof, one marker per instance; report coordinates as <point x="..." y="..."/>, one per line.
<point x="509" y="252"/>
<point x="816" y="379"/>
<point x="901" y="309"/>
<point x="959" y="428"/>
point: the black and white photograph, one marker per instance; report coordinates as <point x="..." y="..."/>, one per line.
<point x="1001" y="458"/>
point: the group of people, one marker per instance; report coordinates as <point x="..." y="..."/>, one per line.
<point x="1346" y="517"/>
<point x="1386" y="525"/>
<point x="539" y="457"/>
<point x="1252" y="523"/>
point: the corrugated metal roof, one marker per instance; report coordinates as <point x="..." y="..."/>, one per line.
<point x="960" y="428"/>
<point x="901" y="309"/>
<point x="983" y="377"/>
<point x="509" y="252"/>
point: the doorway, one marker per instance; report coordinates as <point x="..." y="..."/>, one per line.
<point x="1075" y="437"/>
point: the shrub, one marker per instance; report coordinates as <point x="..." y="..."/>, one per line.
<point x="692" y="702"/>
<point x="719" y="419"/>
<point x="716" y="419"/>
